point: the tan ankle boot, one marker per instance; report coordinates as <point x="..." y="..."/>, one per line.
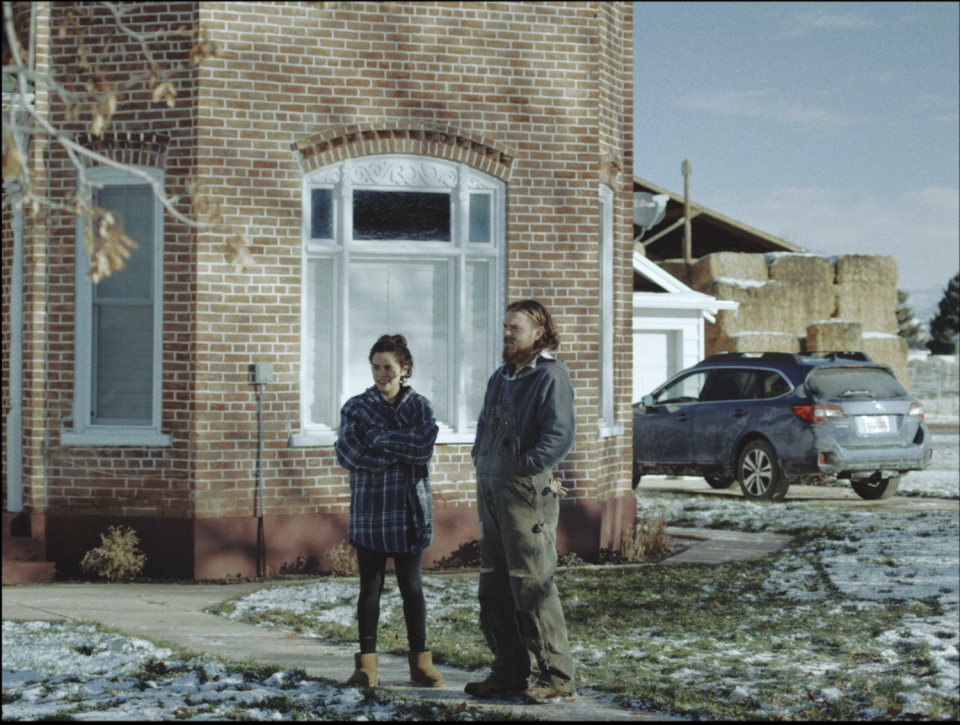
<point x="366" y="673"/>
<point x="422" y="671"/>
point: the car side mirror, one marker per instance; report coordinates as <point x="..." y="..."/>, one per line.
<point x="648" y="401"/>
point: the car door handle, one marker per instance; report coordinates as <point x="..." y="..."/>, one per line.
<point x="740" y="412"/>
<point x="684" y="416"/>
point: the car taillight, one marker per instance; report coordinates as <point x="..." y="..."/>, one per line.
<point x="917" y="409"/>
<point x="817" y="414"/>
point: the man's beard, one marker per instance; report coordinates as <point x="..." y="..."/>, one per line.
<point x="515" y="355"/>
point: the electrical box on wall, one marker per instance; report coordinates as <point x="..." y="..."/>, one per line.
<point x="262" y="373"/>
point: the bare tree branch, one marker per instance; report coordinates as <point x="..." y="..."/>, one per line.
<point x="106" y="241"/>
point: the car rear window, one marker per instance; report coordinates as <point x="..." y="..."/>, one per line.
<point x="844" y="382"/>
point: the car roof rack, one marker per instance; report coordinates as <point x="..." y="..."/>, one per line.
<point x="840" y="355"/>
<point x="781" y="357"/>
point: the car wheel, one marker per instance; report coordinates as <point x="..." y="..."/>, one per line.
<point x="636" y="474"/>
<point x="717" y="482"/>
<point x="759" y="473"/>
<point x="874" y="489"/>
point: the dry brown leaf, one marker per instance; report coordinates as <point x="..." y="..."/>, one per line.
<point x="106" y="243"/>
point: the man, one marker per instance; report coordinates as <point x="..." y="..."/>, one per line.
<point x="526" y="428"/>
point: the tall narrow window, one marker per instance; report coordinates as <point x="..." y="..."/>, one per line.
<point x="607" y="412"/>
<point x="405" y="245"/>
<point x="118" y="326"/>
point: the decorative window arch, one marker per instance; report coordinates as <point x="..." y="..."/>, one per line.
<point x="400" y="244"/>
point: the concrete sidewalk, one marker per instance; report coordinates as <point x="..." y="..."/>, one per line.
<point x="174" y="614"/>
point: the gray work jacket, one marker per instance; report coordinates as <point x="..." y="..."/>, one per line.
<point x="544" y="397"/>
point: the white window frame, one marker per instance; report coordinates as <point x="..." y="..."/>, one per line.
<point x="83" y="432"/>
<point x="607" y="389"/>
<point x="403" y="172"/>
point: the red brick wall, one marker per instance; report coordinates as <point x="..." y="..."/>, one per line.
<point x="118" y="481"/>
<point x="549" y="82"/>
<point x="544" y="90"/>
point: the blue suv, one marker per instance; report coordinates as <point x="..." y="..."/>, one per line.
<point x="766" y="420"/>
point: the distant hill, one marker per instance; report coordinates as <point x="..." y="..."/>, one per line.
<point x="925" y="301"/>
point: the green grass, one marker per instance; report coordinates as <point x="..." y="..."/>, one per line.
<point x="708" y="640"/>
<point x="683" y="638"/>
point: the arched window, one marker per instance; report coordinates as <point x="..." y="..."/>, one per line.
<point x="409" y="245"/>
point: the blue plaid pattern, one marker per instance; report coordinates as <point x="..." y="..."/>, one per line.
<point x="387" y="450"/>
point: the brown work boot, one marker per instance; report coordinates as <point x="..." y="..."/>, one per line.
<point x="491" y="687"/>
<point x="366" y="673"/>
<point x="422" y="671"/>
<point x="541" y="694"/>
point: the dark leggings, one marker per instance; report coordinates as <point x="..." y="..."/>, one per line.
<point x="373" y="567"/>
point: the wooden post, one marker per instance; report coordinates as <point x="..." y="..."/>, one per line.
<point x="687" y="229"/>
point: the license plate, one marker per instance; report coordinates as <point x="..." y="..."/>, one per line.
<point x="872" y="424"/>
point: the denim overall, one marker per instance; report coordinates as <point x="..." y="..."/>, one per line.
<point x="520" y="608"/>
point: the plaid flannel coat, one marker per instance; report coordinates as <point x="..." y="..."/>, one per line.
<point x="387" y="450"/>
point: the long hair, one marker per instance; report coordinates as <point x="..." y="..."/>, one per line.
<point x="541" y="318"/>
<point x="396" y="344"/>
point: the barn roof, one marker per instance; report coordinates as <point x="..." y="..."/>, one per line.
<point x="712" y="232"/>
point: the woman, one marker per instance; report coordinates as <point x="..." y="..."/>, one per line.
<point x="386" y="442"/>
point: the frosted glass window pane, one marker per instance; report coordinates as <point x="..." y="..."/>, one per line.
<point x="321" y="213"/>
<point x="480" y="218"/>
<point x="410" y="298"/>
<point x="135" y="205"/>
<point x="321" y="345"/>
<point x="124" y="364"/>
<point x="477" y="324"/>
<point x="409" y="215"/>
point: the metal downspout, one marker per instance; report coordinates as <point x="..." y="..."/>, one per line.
<point x="14" y="421"/>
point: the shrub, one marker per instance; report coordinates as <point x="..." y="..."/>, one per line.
<point x="571" y="559"/>
<point x="301" y="566"/>
<point x="466" y="556"/>
<point x="118" y="558"/>
<point x="648" y="541"/>
<point x="343" y="560"/>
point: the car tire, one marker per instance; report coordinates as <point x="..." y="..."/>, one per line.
<point x="636" y="475"/>
<point x="758" y="473"/>
<point x="875" y="490"/>
<point x="718" y="483"/>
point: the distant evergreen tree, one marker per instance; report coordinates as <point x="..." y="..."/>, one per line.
<point x="907" y="325"/>
<point x="946" y="323"/>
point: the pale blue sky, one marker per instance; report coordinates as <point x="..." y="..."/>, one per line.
<point x="834" y="126"/>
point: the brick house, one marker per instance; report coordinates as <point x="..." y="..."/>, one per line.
<point x="399" y="167"/>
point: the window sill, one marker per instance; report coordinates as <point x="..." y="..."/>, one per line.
<point x="312" y="440"/>
<point x="100" y="439"/>
<point x="610" y="431"/>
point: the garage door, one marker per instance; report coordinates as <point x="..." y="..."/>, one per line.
<point x="654" y="359"/>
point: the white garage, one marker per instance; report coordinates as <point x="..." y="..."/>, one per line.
<point x="668" y="330"/>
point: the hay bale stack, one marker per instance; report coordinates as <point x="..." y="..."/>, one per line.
<point x="715" y="342"/>
<point x="890" y="350"/>
<point x="728" y="265"/>
<point x="764" y="342"/>
<point x="781" y="293"/>
<point x="763" y="305"/>
<point x="678" y="268"/>
<point x="827" y="335"/>
<point x="807" y="268"/>
<point x="866" y="287"/>
<point x="808" y="289"/>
